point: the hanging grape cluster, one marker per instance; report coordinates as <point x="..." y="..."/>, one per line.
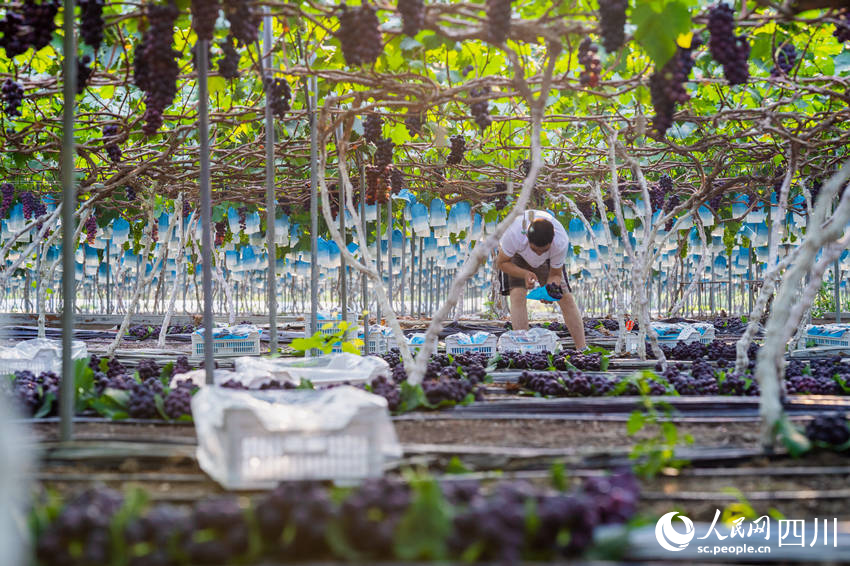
<point x="396" y="180"/>
<point x="228" y="65"/>
<point x="83" y="73"/>
<point x="156" y="67"/>
<point x="33" y="27"/>
<point x="413" y="122"/>
<point x="90" y="228"/>
<point x="13" y="95"/>
<point x="359" y="35"/>
<point x="656" y="198"/>
<point x="373" y="128"/>
<point x="242" y="212"/>
<point x="91" y="22"/>
<point x="220" y="232"/>
<point x="278" y="94"/>
<point x="378" y="183"/>
<point x="786" y="57"/>
<point x="7" y="192"/>
<point x="588" y="58"/>
<point x="204" y="15"/>
<point x="384" y="152"/>
<point x="33" y="206"/>
<point x="457" y="150"/>
<point x="727" y="49"/>
<point x="244" y="22"/>
<point x="480" y="109"/>
<point x="412" y="16"/>
<point x="667" y="87"/>
<point x="110" y="133"/>
<point x="587" y="209"/>
<point x="842" y="28"/>
<point x="498" y="20"/>
<point x="612" y="19"/>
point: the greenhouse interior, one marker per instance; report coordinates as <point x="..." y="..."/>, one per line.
<point x="424" y="281"/>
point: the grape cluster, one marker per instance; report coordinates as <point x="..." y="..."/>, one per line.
<point x="612" y="19"/>
<point x="156" y="68"/>
<point x="832" y="429"/>
<point x="228" y="65"/>
<point x="130" y="193"/>
<point x="244" y="21"/>
<point x="555" y="291"/>
<point x="178" y="402"/>
<point x="31" y="205"/>
<point x="523" y="360"/>
<point x="304" y="508"/>
<point x="181" y="365"/>
<point x="667" y="88"/>
<point x="83" y="73"/>
<point x="727" y="49"/>
<point x="786" y="57"/>
<point x="729" y="325"/>
<point x="738" y="384"/>
<point x="110" y="133"/>
<point x="384" y="152"/>
<point x="457" y="150"/>
<point x="80" y="535"/>
<point x="377" y="184"/>
<point x="842" y="28"/>
<point x="672" y="203"/>
<point x="589" y="59"/>
<point x="90" y="228"/>
<point x="413" y="122"/>
<point x="150" y="536"/>
<point x="33" y="27"/>
<point x="388" y="390"/>
<point x="447" y="388"/>
<point x="242" y="213"/>
<point x="220" y="531"/>
<point x="7" y="192"/>
<point x="370" y="515"/>
<point x="359" y="34"/>
<point x="587" y="209"/>
<point x="31" y="392"/>
<point x="373" y="128"/>
<point x="607" y="323"/>
<point x="142" y="404"/>
<point x="91" y="22"/>
<point x="656" y="198"/>
<point x="396" y="180"/>
<point x="204" y="15"/>
<point x="587" y="362"/>
<point x="278" y="94"/>
<point x="13" y="96"/>
<point x="481" y="110"/>
<point x="412" y="16"/>
<point x="220" y="232"/>
<point x="498" y="20"/>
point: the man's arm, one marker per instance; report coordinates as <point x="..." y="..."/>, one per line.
<point x="505" y="265"/>
<point x="555" y="276"/>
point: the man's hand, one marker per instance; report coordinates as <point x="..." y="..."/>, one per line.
<point x="530" y="280"/>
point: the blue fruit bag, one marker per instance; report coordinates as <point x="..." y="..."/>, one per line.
<point x="541" y="294"/>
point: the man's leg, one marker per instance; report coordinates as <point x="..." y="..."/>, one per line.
<point x="572" y="318"/>
<point x="519" y="309"/>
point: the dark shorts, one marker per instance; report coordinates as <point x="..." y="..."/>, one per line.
<point x="510" y="282"/>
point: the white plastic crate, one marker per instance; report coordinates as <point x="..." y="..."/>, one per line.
<point x="254" y="440"/>
<point x="353" y="330"/>
<point x="38" y="355"/>
<point x="414" y="347"/>
<point x="534" y="340"/>
<point x="43" y="361"/>
<point x="461" y="343"/>
<point x="829" y="334"/>
<point x="672" y="334"/>
<point x="227" y="346"/>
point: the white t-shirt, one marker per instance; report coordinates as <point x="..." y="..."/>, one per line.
<point x="514" y="241"/>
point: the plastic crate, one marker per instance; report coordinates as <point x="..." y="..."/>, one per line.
<point x="829" y="334"/>
<point x="226" y="347"/>
<point x="414" y="348"/>
<point x="454" y="346"/>
<point x="533" y="342"/>
<point x="241" y="452"/>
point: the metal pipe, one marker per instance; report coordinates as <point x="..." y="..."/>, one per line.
<point x="343" y="269"/>
<point x="314" y="202"/>
<point x="378" y="255"/>
<point x="69" y="200"/>
<point x="390" y="251"/>
<point x="836" y="278"/>
<point x="206" y="206"/>
<point x="271" y="212"/>
<point x="364" y="281"/>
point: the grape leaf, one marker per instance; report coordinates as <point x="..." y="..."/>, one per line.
<point x="659" y="27"/>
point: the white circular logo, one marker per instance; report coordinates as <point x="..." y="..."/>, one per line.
<point x="668" y="537"/>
